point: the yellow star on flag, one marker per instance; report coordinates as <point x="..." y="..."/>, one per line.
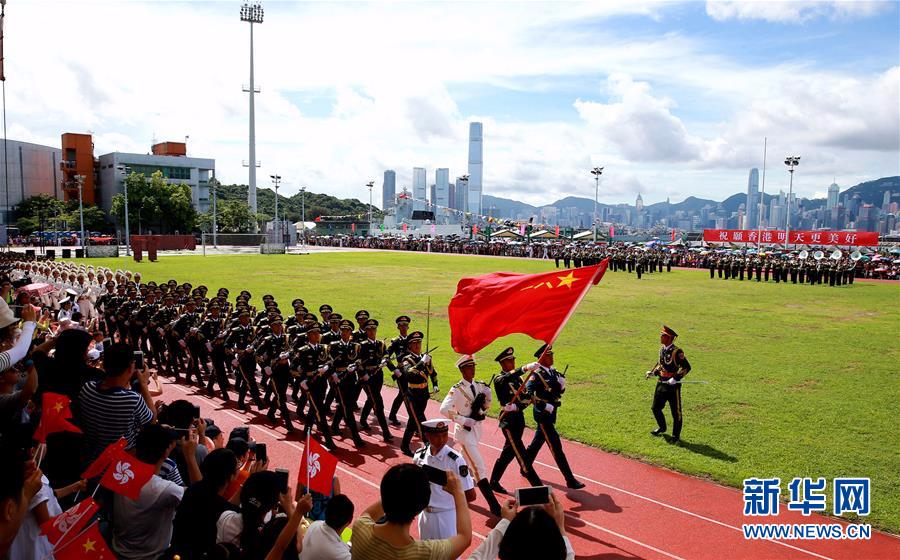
<point x="89" y="545"/>
<point x="58" y="406"/>
<point x="567" y="280"/>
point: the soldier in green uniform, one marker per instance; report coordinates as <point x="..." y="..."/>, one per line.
<point x="311" y="366"/>
<point x="416" y="368"/>
<point x="512" y="420"/>
<point x="344" y="354"/>
<point x="397" y="349"/>
<point x="372" y="359"/>
<point x="671" y="368"/>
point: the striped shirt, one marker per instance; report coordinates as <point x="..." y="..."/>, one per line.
<point x="109" y="414"/>
<point x="368" y="546"/>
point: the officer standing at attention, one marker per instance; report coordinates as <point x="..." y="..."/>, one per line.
<point x="546" y="387"/>
<point x="672" y="367"/>
<point x="512" y="420"/>
<point x="466" y="403"/>
<point x="438" y="520"/>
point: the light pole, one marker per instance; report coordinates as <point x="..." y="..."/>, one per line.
<point x="791" y="162"/>
<point x="213" y="185"/>
<point x="596" y="172"/>
<point x="276" y="180"/>
<point x="370" y="184"/>
<point x="125" y="169"/>
<point x="252" y="13"/>
<point x="79" y="179"/>
<point x="303" y="212"/>
<point x="465" y="182"/>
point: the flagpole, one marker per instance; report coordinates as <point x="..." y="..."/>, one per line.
<point x="306" y="450"/>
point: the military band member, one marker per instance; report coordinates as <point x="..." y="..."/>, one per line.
<point x="397" y="349"/>
<point x="466" y="403"/>
<point x="546" y="386"/>
<point x="344" y="354"/>
<point x="312" y="365"/>
<point x="372" y="359"/>
<point x="438" y="520"/>
<point x="512" y="420"/>
<point x="416" y="368"/>
<point x="672" y="367"/>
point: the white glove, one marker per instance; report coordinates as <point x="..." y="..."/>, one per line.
<point x="562" y="383"/>
<point x="268" y="370"/>
<point x="436" y="388"/>
<point x="528" y="368"/>
<point x="426" y="358"/>
<point x="397" y="374"/>
<point x="351" y="368"/>
<point x="671" y="381"/>
<point x="209" y="347"/>
<point x="511" y="407"/>
<point x="549" y="408"/>
<point x="335" y="378"/>
<point x="468" y="422"/>
<point x="305" y="385"/>
<point x="323" y="369"/>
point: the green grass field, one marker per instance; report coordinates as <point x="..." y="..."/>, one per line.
<point x="804" y="380"/>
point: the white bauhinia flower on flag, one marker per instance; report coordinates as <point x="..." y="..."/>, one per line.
<point x="313" y="465"/>
<point x="123" y="472"/>
<point x="317" y="468"/>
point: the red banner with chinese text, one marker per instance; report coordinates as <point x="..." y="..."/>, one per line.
<point x="858" y="238"/>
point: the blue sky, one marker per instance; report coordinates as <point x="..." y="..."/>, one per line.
<point x="673" y="98"/>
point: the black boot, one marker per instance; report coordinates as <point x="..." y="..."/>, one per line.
<point x="489" y="497"/>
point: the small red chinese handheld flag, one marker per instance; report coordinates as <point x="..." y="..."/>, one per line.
<point x="557" y="231"/>
<point x="317" y="467"/>
<point x="673" y="234"/>
<point x="126" y="475"/>
<point x="55" y="416"/>
<point x="494" y="305"/>
<point x="99" y="465"/>
<point x="69" y="522"/>
<point x="86" y="546"/>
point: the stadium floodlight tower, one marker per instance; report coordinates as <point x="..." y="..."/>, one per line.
<point x="596" y="172"/>
<point x="791" y="162"/>
<point x="370" y="184"/>
<point x="252" y="13"/>
<point x="276" y="181"/>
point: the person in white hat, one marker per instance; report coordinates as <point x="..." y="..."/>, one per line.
<point x="438" y="520"/>
<point x="466" y="403"/>
<point x="23" y="342"/>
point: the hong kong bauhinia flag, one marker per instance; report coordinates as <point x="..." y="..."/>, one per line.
<point x="317" y="467"/>
<point x="99" y="465"/>
<point x="126" y="475"/>
<point x="69" y="523"/>
<point x="55" y="416"/>
<point x="494" y="305"/>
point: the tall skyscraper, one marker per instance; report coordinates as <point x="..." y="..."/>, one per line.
<point x="442" y="187"/>
<point x="752" y="204"/>
<point x="389" y="189"/>
<point x="420" y="193"/>
<point x="476" y="164"/>
<point x="834" y="192"/>
<point x="462" y="195"/>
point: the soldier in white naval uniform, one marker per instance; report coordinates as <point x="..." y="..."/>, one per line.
<point x="466" y="404"/>
<point x="438" y="520"/>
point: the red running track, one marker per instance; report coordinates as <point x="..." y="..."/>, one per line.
<point x="627" y="510"/>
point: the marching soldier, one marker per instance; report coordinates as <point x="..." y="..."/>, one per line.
<point x="240" y="343"/>
<point x="513" y="401"/>
<point x="162" y="322"/>
<point x="187" y="329"/>
<point x="671" y="369"/>
<point x="466" y="403"/>
<point x="268" y="350"/>
<point x="214" y="336"/>
<point x="416" y="368"/>
<point x="546" y="387"/>
<point x="344" y="354"/>
<point x="372" y="359"/>
<point x="397" y="349"/>
<point x="280" y="379"/>
<point x="438" y="520"/>
<point x="360" y="333"/>
<point x="311" y="366"/>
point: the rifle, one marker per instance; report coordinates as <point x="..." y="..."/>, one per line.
<point x="475" y="412"/>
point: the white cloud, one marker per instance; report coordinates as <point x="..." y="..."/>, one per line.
<point x="793" y="11"/>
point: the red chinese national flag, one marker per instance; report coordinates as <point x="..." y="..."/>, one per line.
<point x="494" y="305"/>
<point x="318" y="466"/>
<point x="69" y="522"/>
<point x="55" y="415"/>
<point x="126" y="475"/>
<point x="86" y="546"/>
<point x="100" y="463"/>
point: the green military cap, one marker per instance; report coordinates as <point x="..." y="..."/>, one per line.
<point x="325" y="308"/>
<point x="507" y="354"/>
<point x="402" y="319"/>
<point x="297" y="301"/>
<point x="667" y="331"/>
<point x="335" y="318"/>
<point x="347" y="324"/>
<point x="314" y="327"/>
<point x="362" y="314"/>
<point x="541" y="350"/>
<point x="415" y="336"/>
<point x="371" y="324"/>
